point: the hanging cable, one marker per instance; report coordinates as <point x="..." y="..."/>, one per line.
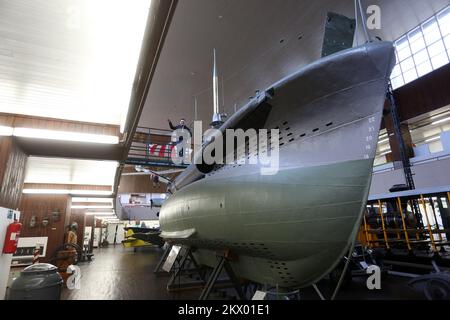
<point x="363" y="21"/>
<point x="356" y="23"/>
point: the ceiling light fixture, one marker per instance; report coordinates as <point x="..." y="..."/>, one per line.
<point x="66" y="191"/>
<point x="97" y="92"/>
<point x="103" y="214"/>
<point x="6" y="131"/>
<point x="58" y="135"/>
<point x="94" y="200"/>
<point x="92" y="207"/>
<point x="441" y="121"/>
<point x="439" y="115"/>
<point x="383" y="141"/>
<point x="111" y="220"/>
<point x="64" y="136"/>
<point x="433" y="139"/>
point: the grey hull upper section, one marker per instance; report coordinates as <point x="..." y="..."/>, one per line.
<point x="303" y="99"/>
<point x="291" y="228"/>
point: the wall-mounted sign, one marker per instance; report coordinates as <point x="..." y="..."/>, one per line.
<point x="26" y="246"/>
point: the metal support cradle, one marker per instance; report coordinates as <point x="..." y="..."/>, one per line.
<point x="184" y="264"/>
<point x="158" y="268"/>
<point x="222" y="263"/>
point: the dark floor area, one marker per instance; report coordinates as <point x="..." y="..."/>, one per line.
<point x="117" y="273"/>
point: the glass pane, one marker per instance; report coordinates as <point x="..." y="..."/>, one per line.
<point x="435" y="147"/>
<point x="417" y="45"/>
<point x="404" y="53"/>
<point x="424" y="68"/>
<point x="397" y="82"/>
<point x="444" y="203"/>
<point x="444" y="21"/>
<point x="421" y="57"/>
<point x="415" y="34"/>
<point x="396" y="72"/>
<point x="407" y="65"/>
<point x="445" y="26"/>
<point x="439" y="60"/>
<point x="445" y="12"/>
<point x="447" y="42"/>
<point x="379" y="161"/>
<point x="397" y="60"/>
<point x="436" y="48"/>
<point x="402" y="43"/>
<point x="431" y="31"/>
<point x="410" y="75"/>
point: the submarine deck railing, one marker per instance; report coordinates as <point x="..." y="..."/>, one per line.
<point x="381" y="227"/>
<point x="152" y="147"/>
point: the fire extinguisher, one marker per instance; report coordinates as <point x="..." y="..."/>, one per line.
<point x="12" y="237"/>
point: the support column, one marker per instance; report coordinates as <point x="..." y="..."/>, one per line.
<point x="12" y="173"/>
<point x="395" y="156"/>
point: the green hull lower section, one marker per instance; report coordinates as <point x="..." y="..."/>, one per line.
<point x="289" y="229"/>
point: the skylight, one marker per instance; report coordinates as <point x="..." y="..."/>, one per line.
<point x="70" y="171"/>
<point x="423" y="49"/>
<point x="70" y="59"/>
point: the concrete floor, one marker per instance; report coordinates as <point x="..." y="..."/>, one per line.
<point x="117" y="273"/>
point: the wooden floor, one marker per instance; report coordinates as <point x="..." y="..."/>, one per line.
<point x="117" y="273"/>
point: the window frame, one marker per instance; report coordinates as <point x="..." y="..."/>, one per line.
<point x="405" y="43"/>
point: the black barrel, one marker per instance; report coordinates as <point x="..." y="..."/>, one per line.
<point x="40" y="281"/>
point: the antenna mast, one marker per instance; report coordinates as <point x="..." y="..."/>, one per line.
<point x="217" y="117"/>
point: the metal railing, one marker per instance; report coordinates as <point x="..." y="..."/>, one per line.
<point x="152" y="147"/>
<point x="391" y="223"/>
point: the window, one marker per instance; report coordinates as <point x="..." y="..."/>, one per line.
<point x="423" y="49"/>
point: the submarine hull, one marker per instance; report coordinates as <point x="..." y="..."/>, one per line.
<point x="292" y="228"/>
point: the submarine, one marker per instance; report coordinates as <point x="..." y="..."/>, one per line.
<point x="292" y="228"/>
